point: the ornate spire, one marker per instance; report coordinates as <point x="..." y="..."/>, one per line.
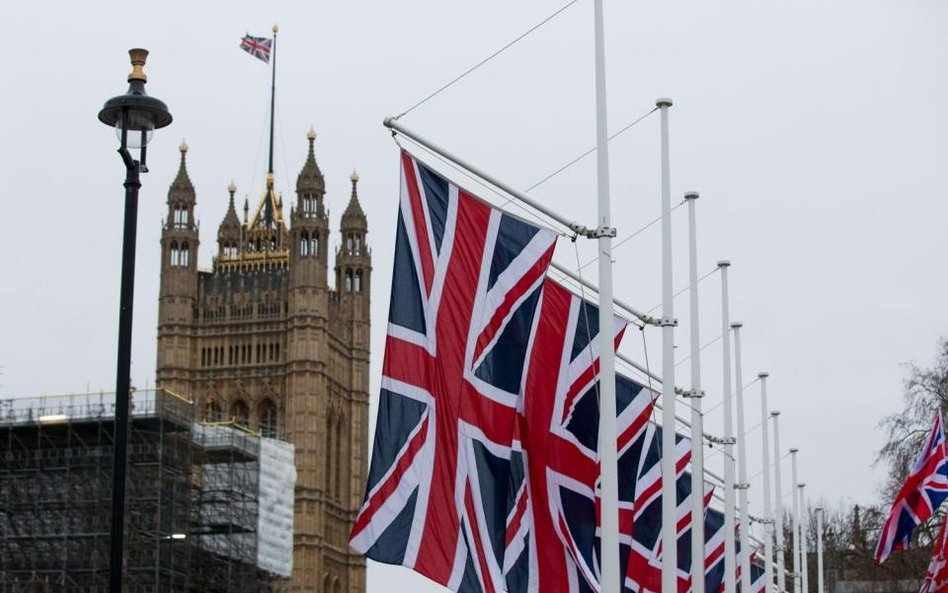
<point x="310" y="177"/>
<point x="231" y="223"/>
<point x="353" y="217"/>
<point x="182" y="183"/>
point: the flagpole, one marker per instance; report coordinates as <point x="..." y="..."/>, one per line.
<point x="768" y="514"/>
<point x="804" y="520"/>
<point x="796" y="521"/>
<point x="611" y="575"/>
<point x="729" y="564"/>
<point x="778" y="505"/>
<point x="697" y="421"/>
<point x="273" y="70"/>
<point x="742" y="461"/>
<point x="668" y="322"/>
<point x="819" y="549"/>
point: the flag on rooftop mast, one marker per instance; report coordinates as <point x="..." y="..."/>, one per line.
<point x="262" y="48"/>
<point x="258" y="47"/>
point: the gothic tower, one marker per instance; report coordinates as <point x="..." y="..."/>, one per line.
<point x="178" y="292"/>
<point x="263" y="340"/>
<point x="350" y="323"/>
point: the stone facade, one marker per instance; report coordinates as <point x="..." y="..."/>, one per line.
<point x="263" y="340"/>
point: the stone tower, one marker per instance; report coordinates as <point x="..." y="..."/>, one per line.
<point x="262" y="339"/>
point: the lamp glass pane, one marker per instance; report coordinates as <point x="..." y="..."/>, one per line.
<point x="138" y="121"/>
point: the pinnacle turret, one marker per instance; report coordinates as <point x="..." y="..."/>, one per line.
<point x="231" y="223"/>
<point x="229" y="233"/>
<point x="353" y="218"/>
<point x="310" y="177"/>
<point x="182" y="183"/>
<point x="181" y="196"/>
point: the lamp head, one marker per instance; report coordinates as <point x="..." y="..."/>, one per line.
<point x="135" y="115"/>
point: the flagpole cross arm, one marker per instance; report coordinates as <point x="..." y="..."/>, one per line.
<point x="722" y="440"/>
<point x="392" y="123"/>
<point x="742" y="486"/>
<point x="668" y="322"/>
<point x="603" y="231"/>
<point x="761" y="520"/>
<point x="693" y="394"/>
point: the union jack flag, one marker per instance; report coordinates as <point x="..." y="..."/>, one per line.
<point x="925" y="488"/>
<point x="714" y="550"/>
<point x="466" y="285"/>
<point x="551" y="531"/>
<point x="714" y="557"/>
<point x="552" y="538"/>
<point x="258" y="47"/>
<point x="644" y="568"/>
<point x="936" y="579"/>
<point x="758" y="585"/>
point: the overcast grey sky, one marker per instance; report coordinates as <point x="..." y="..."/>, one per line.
<point x="815" y="131"/>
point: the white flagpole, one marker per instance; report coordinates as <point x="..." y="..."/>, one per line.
<point x="804" y="521"/>
<point x="778" y="506"/>
<point x="768" y="514"/>
<point x="744" y="554"/>
<point x="796" y="521"/>
<point x="669" y="491"/>
<point x="729" y="557"/>
<point x="611" y="575"/>
<point x="819" y="549"/>
<point x="697" y="421"/>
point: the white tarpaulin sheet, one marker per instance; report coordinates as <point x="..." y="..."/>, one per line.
<point x="275" y="520"/>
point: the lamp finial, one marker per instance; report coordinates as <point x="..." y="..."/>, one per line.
<point x="138" y="57"/>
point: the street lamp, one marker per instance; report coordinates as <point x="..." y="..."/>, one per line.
<point x="135" y="116"/>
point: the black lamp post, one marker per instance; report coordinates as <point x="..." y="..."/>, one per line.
<point x="134" y="116"/>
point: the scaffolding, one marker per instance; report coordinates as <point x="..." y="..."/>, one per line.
<point x="192" y="498"/>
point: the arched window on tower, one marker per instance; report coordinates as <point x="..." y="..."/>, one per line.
<point x="174" y="253"/>
<point x="348" y="280"/>
<point x="268" y="418"/>
<point x="304" y="243"/>
<point x="176" y="216"/>
<point x="358" y="244"/>
<point x="183" y="259"/>
<point x="314" y="243"/>
<point x="179" y="216"/>
<point x="358" y="281"/>
<point x="349" y="243"/>
<point x="240" y="413"/>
